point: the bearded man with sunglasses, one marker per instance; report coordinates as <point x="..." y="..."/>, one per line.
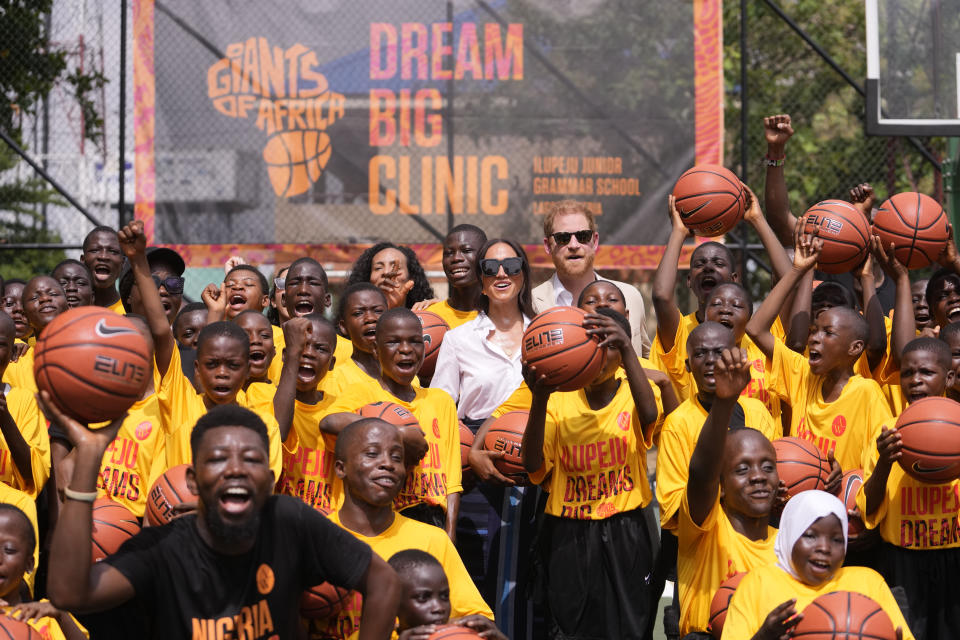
<point x="571" y="239"/>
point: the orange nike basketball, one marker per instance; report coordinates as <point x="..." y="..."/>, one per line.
<point x="12" y="629"/>
<point x="916" y="225"/>
<point x="454" y="632"/>
<point x="505" y="434"/>
<point x="113" y="524"/>
<point x="169" y="491"/>
<point x="322" y="601"/>
<point x="930" y="433"/>
<point x="434" y="328"/>
<point x="852" y="481"/>
<point x="845" y="233"/>
<point x="845" y="615"/>
<point x="94" y="363"/>
<point x="389" y="412"/>
<point x="720" y="603"/>
<point x="800" y="465"/>
<point x="558" y="345"/>
<point x="711" y="199"/>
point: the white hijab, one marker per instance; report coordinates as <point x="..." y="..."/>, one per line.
<point x="801" y="511"/>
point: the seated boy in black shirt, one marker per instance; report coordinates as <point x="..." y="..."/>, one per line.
<point x="238" y="565"/>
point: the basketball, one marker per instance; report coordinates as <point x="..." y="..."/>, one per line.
<point x="506" y="434"/>
<point x="846" y="615"/>
<point x="930" y="432"/>
<point x="454" y="632"/>
<point x="558" y="345"/>
<point x="849" y="486"/>
<point x="295" y="159"/>
<point x="845" y="233"/>
<point x="12" y="629"/>
<point x="113" y="524"/>
<point x="322" y="601"/>
<point x="711" y="200"/>
<point x="434" y="328"/>
<point x="720" y="602"/>
<point x="93" y="363"/>
<point x="389" y="412"/>
<point x="916" y="225"/>
<point x="167" y="492"/>
<point x="800" y="465"/>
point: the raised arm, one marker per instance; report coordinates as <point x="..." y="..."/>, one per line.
<point x="876" y="347"/>
<point x="732" y="374"/>
<point x="531" y="447"/>
<point x="75" y="584"/>
<point x="806" y="252"/>
<point x="295" y="332"/>
<point x="904" y="323"/>
<point x="779" y="261"/>
<point x="950" y="258"/>
<point x="665" y="280"/>
<point x="777" y="130"/>
<point x="133" y="241"/>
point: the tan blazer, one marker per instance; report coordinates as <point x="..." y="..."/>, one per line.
<point x="544" y="298"/>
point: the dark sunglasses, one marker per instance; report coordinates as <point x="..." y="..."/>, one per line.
<point x="172" y="285"/>
<point x="562" y="238"/>
<point x="491" y="267"/>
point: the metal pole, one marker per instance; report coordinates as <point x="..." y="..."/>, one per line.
<point x="448" y="113"/>
<point x="744" y="116"/>
<point x="121" y="196"/>
<point x="46" y="176"/>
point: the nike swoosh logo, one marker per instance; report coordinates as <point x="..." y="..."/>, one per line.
<point x="919" y="469"/>
<point x="105" y="331"/>
<point x="687" y="214"/>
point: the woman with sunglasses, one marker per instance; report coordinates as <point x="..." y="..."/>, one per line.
<point x="479" y="366"/>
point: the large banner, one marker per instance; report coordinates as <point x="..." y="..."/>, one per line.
<point x="283" y="125"/>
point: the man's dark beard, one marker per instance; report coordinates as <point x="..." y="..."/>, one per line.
<point x="230" y="533"/>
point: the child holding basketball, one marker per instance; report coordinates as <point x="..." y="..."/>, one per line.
<point x="810" y="549"/>
<point x="425" y="603"/>
<point x="711" y="264"/>
<point x="921" y="549"/>
<point x="43" y="300"/>
<point x="19" y="540"/>
<point x="832" y="407"/>
<point x="221" y="367"/>
<point x="307" y="452"/>
<point x="596" y="551"/>
<point x="723" y="525"/>
<point x="370" y="463"/>
<point x="432" y="489"/>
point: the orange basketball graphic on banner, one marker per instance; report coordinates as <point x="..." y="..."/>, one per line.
<point x="295" y="159"/>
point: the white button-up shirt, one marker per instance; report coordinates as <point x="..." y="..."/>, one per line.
<point x="477" y="373"/>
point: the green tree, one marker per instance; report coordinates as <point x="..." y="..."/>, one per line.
<point x="30" y="67"/>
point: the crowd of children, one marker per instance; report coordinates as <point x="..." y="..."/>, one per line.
<point x="259" y="388"/>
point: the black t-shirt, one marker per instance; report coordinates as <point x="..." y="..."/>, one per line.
<point x="189" y="590"/>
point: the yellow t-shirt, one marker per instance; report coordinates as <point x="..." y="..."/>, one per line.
<point x="765" y="588"/>
<point x="678" y="439"/>
<point x="125" y="471"/>
<point x="673" y="363"/>
<point x="49" y="628"/>
<point x="19" y="499"/>
<point x="26" y="414"/>
<point x="452" y="316"/>
<point x="180" y="408"/>
<point x="439" y="473"/>
<point x="117" y="307"/>
<point x="308" y="459"/>
<point x="598" y="464"/>
<point x="914" y="515"/>
<point x="405" y="533"/>
<point x="347" y="375"/>
<point x="709" y="554"/>
<point x="20" y="373"/>
<point x="341" y="352"/>
<point x="844" y="425"/>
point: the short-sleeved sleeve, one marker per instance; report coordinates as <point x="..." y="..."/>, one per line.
<point x="787" y="370"/>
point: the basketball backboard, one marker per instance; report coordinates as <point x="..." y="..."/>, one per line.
<point x="913" y="67"/>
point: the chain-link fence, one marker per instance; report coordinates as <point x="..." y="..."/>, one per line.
<point x="376" y="112"/>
